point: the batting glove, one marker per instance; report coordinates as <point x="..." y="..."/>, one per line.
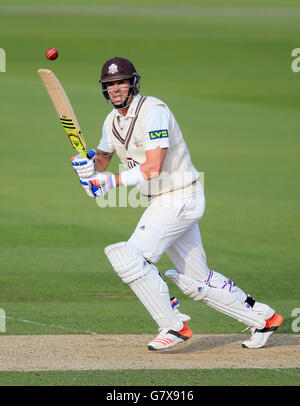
<point x="98" y="185"/>
<point x="84" y="167"/>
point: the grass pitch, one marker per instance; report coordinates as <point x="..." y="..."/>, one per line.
<point x="189" y="377"/>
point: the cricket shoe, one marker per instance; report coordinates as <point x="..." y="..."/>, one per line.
<point x="175" y="304"/>
<point x="259" y="337"/>
<point x="169" y="338"/>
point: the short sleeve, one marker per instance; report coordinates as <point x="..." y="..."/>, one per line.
<point x="156" y="126"/>
<point x="105" y="143"/>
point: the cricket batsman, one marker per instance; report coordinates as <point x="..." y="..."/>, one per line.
<point x="144" y="134"/>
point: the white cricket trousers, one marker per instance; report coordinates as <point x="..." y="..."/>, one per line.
<point x="170" y="225"/>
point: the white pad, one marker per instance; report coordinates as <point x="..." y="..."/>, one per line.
<point x="146" y="282"/>
<point x="127" y="261"/>
<point x="190" y="287"/>
<point x="221" y="294"/>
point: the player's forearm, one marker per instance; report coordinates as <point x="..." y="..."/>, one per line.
<point x="118" y="180"/>
<point x="150" y="169"/>
<point x="102" y="160"/>
<point x="99" y="167"/>
<point x="132" y="177"/>
<point x="137" y="175"/>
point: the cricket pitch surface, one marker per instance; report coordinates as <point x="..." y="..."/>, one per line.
<point x="117" y="352"/>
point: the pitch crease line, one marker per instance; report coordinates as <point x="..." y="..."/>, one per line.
<point x="51" y="325"/>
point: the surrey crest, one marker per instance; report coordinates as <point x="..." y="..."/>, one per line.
<point x="113" y="68"/>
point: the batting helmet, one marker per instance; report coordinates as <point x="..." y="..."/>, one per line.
<point x="118" y="69"/>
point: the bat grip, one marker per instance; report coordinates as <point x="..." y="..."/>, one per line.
<point x="90" y="154"/>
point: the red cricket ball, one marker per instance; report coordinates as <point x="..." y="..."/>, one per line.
<point x="51" y="53"/>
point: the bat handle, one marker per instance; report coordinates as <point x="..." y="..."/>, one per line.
<point x="90" y="154"/>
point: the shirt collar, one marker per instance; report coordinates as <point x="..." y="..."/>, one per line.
<point x="132" y="107"/>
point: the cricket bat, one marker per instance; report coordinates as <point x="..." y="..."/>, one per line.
<point x="64" y="110"/>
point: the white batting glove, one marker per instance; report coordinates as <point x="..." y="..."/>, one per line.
<point x="84" y="167"/>
<point x="86" y="187"/>
<point x="98" y="185"/>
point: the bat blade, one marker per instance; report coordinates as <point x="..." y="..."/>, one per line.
<point x="64" y="110"/>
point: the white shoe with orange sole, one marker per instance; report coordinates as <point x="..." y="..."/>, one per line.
<point x="259" y="337"/>
<point x="169" y="338"/>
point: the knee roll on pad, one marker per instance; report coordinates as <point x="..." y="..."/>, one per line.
<point x="196" y="290"/>
<point x="127" y="261"/>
